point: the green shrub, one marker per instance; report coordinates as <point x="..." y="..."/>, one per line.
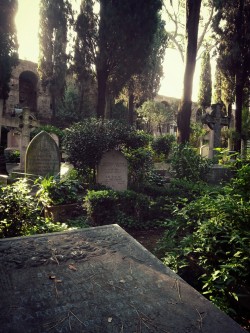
<point x="135" y="205"/>
<point x="127" y="208"/>
<point x="162" y="145"/>
<point x="101" y="207"/>
<point x="20" y="213"/>
<point x="85" y="142"/>
<point x="138" y="139"/>
<point x="140" y="164"/>
<point x="12" y="156"/>
<point x="240" y="184"/>
<point x="49" y="129"/>
<point x="188" y="164"/>
<point x="209" y="241"/>
<point x="53" y="191"/>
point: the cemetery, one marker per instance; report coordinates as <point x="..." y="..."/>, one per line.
<point x="108" y="185"/>
<point x="123" y="210"/>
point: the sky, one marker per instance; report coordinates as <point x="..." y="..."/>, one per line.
<point x="27" y="23"/>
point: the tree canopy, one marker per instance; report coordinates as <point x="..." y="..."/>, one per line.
<point x="205" y="88"/>
<point x="54" y="18"/>
<point x="117" y="42"/>
<point x="8" y="44"/>
<point x="231" y="24"/>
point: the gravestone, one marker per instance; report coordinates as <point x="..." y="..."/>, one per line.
<point x="112" y="171"/>
<point x="97" y="280"/>
<point x="42" y="156"/>
<point x="215" y="121"/>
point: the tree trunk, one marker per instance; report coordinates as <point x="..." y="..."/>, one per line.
<point x="131" y="99"/>
<point x="184" y="113"/>
<point x="101" y="95"/>
<point x="238" y="112"/>
<point x="239" y="80"/>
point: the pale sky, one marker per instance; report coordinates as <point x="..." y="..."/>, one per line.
<point x="27" y="23"/>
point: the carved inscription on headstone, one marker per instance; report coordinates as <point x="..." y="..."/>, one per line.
<point x="42" y="156"/>
<point x="113" y="171"/>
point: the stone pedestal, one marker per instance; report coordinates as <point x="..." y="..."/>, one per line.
<point x="97" y="280"/>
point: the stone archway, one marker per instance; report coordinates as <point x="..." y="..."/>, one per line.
<point x="28" y="90"/>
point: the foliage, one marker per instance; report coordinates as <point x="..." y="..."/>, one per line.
<point x="163" y="144"/>
<point x="86" y="141"/>
<point x="155" y="115"/>
<point x="197" y="134"/>
<point x="138" y="139"/>
<point x="20" y="212"/>
<point x="116" y="43"/>
<point x="101" y="207"/>
<point x="128" y="208"/>
<point x="54" y="19"/>
<point x="231" y="25"/>
<point x="140" y="163"/>
<point x="205" y="87"/>
<point x="209" y="240"/>
<point x="240" y="183"/>
<point x="68" y="108"/>
<point x="12" y="156"/>
<point x="53" y="191"/>
<point x="49" y="129"/>
<point x="8" y="44"/>
<point x="188" y="164"/>
<point x="145" y="85"/>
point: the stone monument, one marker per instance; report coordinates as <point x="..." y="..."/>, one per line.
<point x="215" y="121"/>
<point x="42" y="156"/>
<point x="97" y="280"/>
<point x="112" y="171"/>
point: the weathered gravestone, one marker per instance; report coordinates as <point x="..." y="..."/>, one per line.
<point x="97" y="280"/>
<point x="42" y="156"/>
<point x="112" y="171"/>
<point x="215" y="121"/>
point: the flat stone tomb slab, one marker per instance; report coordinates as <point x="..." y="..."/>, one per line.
<point x="97" y="280"/>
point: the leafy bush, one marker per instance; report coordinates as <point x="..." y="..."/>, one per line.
<point x="162" y="145"/>
<point x="49" y="129"/>
<point x="85" y="142"/>
<point x="101" y="207"/>
<point x="140" y="164"/>
<point x="138" y="139"/>
<point x="127" y="208"/>
<point x="240" y="184"/>
<point x="53" y="191"/>
<point x="209" y="240"/>
<point x="21" y="214"/>
<point x="188" y="164"/>
<point x="12" y="156"/>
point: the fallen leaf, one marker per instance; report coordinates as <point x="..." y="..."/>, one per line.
<point x="72" y="267"/>
<point x="52" y="277"/>
<point x="122" y="281"/>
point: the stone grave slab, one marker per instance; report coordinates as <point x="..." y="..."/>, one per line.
<point x="42" y="156"/>
<point x="97" y="280"/>
<point x="112" y="171"/>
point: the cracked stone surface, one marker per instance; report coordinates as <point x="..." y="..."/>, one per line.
<point x="97" y="280"/>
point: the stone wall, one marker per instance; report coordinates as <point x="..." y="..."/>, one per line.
<point x="26" y="90"/>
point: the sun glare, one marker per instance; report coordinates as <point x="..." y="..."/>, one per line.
<point x="27" y="24"/>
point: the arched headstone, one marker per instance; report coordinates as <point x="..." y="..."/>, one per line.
<point x="113" y="171"/>
<point x="42" y="156"/>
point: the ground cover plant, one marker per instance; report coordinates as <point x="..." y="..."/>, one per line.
<point x="207" y="243"/>
<point x="21" y="214"/>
